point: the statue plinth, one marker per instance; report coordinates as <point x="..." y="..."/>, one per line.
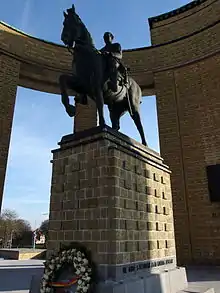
<point x="113" y="195"/>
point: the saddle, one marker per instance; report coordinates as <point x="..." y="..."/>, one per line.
<point x="122" y="71"/>
<point x="122" y="78"/>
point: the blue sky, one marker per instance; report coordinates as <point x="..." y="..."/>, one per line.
<point x="40" y="120"/>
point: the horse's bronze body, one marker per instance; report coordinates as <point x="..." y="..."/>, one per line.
<point x="90" y="77"/>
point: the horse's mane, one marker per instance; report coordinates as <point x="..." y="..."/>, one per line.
<point x="87" y="33"/>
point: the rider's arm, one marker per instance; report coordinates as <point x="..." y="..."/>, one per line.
<point x="103" y="50"/>
<point x="117" y="51"/>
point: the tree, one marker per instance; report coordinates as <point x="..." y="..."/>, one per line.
<point x="22" y="226"/>
<point x="24" y="240"/>
<point x="44" y="229"/>
<point x="11" y="227"/>
<point x="23" y="234"/>
<point x="7" y="226"/>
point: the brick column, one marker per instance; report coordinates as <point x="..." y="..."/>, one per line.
<point x="171" y="150"/>
<point x="113" y="195"/>
<point x="9" y="76"/>
<point x="86" y="116"/>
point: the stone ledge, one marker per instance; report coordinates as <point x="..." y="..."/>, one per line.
<point x="174" y="12"/>
<point x="168" y="281"/>
<point x="119" y="142"/>
<point x="171" y="281"/>
<point x="80" y="136"/>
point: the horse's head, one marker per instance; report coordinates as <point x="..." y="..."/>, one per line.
<point x="71" y="27"/>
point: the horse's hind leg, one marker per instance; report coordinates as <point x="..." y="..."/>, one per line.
<point x="115" y="120"/>
<point x="116" y="111"/>
<point x="137" y="120"/>
<point x="100" y="106"/>
<point x="135" y="95"/>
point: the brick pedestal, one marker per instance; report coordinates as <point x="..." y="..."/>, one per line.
<point x="85" y="117"/>
<point x="113" y="195"/>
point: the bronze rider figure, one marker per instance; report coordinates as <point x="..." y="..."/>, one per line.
<point x="113" y="53"/>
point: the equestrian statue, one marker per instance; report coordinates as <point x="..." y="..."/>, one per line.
<point x="98" y="74"/>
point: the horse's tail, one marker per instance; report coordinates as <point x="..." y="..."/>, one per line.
<point x="140" y="93"/>
<point x="134" y="91"/>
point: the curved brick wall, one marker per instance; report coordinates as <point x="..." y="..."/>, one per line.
<point x="183" y="22"/>
<point x="182" y="67"/>
<point x="42" y="62"/>
<point x="186" y="75"/>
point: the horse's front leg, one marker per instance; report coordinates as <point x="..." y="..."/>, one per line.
<point x="100" y="106"/>
<point x="66" y="82"/>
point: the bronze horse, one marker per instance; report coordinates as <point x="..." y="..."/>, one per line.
<point x="90" y="77"/>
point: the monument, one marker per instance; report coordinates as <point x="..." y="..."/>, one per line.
<point x="95" y="74"/>
<point x="109" y="193"/>
<point x="181" y="68"/>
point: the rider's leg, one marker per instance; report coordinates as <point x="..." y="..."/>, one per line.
<point x="114" y="75"/>
<point x="123" y="70"/>
<point x="114" y="80"/>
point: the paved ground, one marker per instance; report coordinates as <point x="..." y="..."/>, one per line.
<point x="15" y="276"/>
<point x="208" y="277"/>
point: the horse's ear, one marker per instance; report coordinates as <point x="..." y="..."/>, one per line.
<point x="64" y="13"/>
<point x="73" y="8"/>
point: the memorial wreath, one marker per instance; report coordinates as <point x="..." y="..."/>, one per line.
<point x="79" y="260"/>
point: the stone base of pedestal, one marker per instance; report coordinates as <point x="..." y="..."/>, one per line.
<point x="113" y="196"/>
<point x="162" y="282"/>
<point x="171" y="281"/>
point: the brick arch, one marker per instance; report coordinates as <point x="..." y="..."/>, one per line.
<point x="182" y="67"/>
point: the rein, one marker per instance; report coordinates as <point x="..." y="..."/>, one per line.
<point x="81" y="43"/>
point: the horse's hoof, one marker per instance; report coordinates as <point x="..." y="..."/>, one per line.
<point x="145" y="143"/>
<point x="103" y="126"/>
